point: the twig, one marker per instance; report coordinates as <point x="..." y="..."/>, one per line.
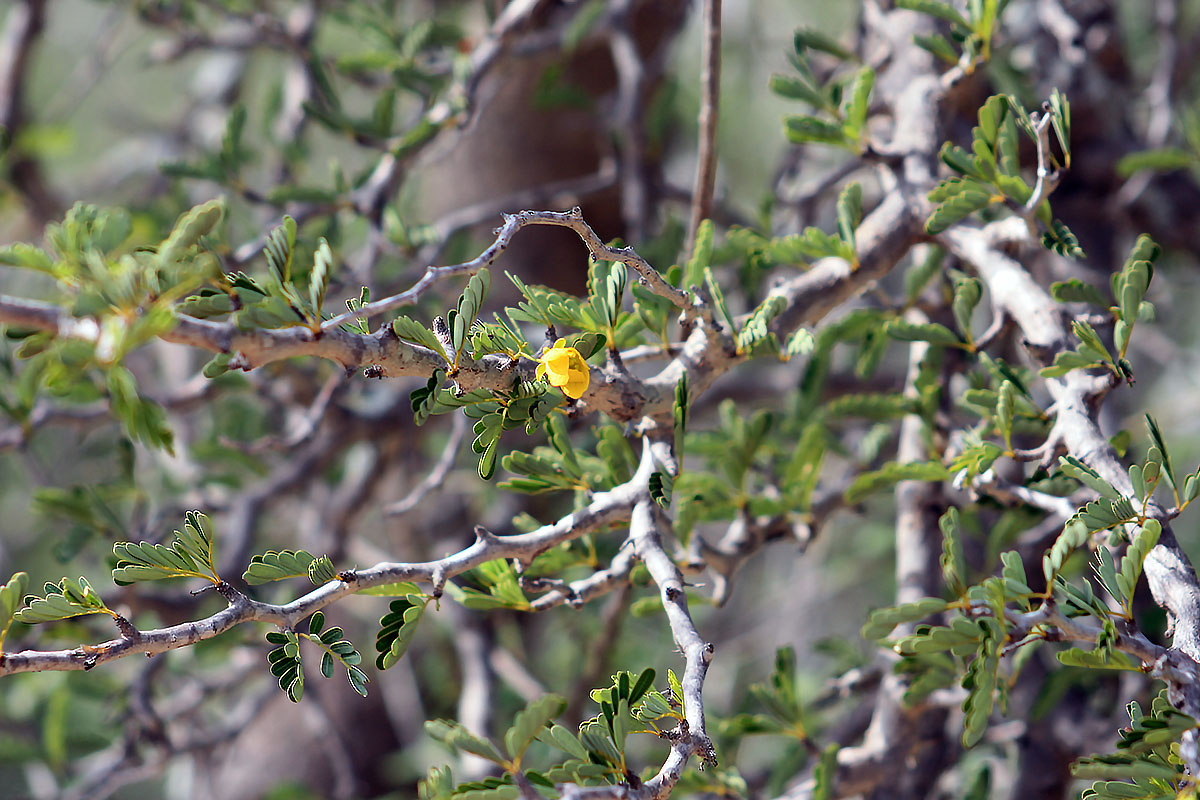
<point x="26" y="19"/>
<point x="606" y="508"/>
<point x="1047" y="176"/>
<point x="710" y="81"/>
<point x="572" y="219"/>
<point x="436" y="475"/>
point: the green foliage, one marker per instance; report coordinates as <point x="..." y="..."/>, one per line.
<point x="501" y="588"/>
<point x="286" y="664"/>
<point x="286" y="660"/>
<point x="398" y="627"/>
<point x="68" y="598"/>
<point x="1147" y="762"/>
<point x="954" y="562"/>
<point x="276" y="565"/>
<point x="11" y="597"/>
<point x="868" y="483"/>
<point x="529" y="723"/>
<point x="409" y="330"/>
<point x="990" y="174"/>
<point x="1073" y="536"/>
<point x="931" y="332"/>
<point x="191" y="555"/>
<point x="884" y="620"/>
<point x="768" y="472"/>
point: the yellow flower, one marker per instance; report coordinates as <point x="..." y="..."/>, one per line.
<point x="563" y="367"/>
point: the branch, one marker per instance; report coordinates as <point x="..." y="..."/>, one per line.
<point x="1047" y="177"/>
<point x="607" y="508"/>
<point x="25" y="23"/>
<point x="437" y="473"/>
<point x="884" y="237"/>
<point x="1169" y="572"/>
<point x="572" y="219"/>
<point x="710" y="81"/>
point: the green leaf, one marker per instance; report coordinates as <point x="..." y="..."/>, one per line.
<point x="279" y="250"/>
<point x="849" y="212"/>
<point x="1005" y="409"/>
<point x="26" y="256"/>
<point x="1014" y="573"/>
<point x="884" y="620"/>
<point x="967" y="293"/>
<point x="953" y="561"/>
<point x="454" y="735"/>
<point x="66" y="599"/>
<point x="397" y="629"/>
<point x="189" y="228"/>
<point x="714" y="290"/>
<point x="1088" y="476"/>
<point x="856" y="114"/>
<point x="991" y="117"/>
<point x="530" y="721"/>
<point x="1156" y="439"/>
<point x="286" y="664"/>
<point x="800" y="343"/>
<point x="889" y="475"/>
<point x="191" y="555"/>
<point x="321" y="571"/>
<point x="874" y="406"/>
<point x="1074" y="534"/>
<point x="942" y="11"/>
<point x="813" y="39"/>
<point x="757" y="329"/>
<point x="1076" y="291"/>
<point x="1124" y="767"/>
<point x="661" y="487"/>
<point x="794" y="88"/>
<point x="931" y="332"/>
<point x="409" y="330"/>
<point x="318" y="279"/>
<point x="469" y="305"/>
<point x="11" y="596"/>
<point x="276" y="565"/>
<point x="1078" y="657"/>
<point x="957" y="208"/>
<point x="1060" y="107"/>
<point x="1164" y="159"/>
<point x="676" y="687"/>
<point x="693" y="273"/>
<point x="825" y="774"/>
<point x="938" y="45"/>
<point x="559" y="737"/>
<point x="1135" y="556"/>
<point x="801" y="130"/>
<point x="1060" y="239"/>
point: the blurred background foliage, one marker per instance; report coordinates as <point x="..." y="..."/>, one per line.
<point x="140" y="105"/>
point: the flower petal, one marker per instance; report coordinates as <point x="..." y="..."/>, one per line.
<point x="577" y="385"/>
